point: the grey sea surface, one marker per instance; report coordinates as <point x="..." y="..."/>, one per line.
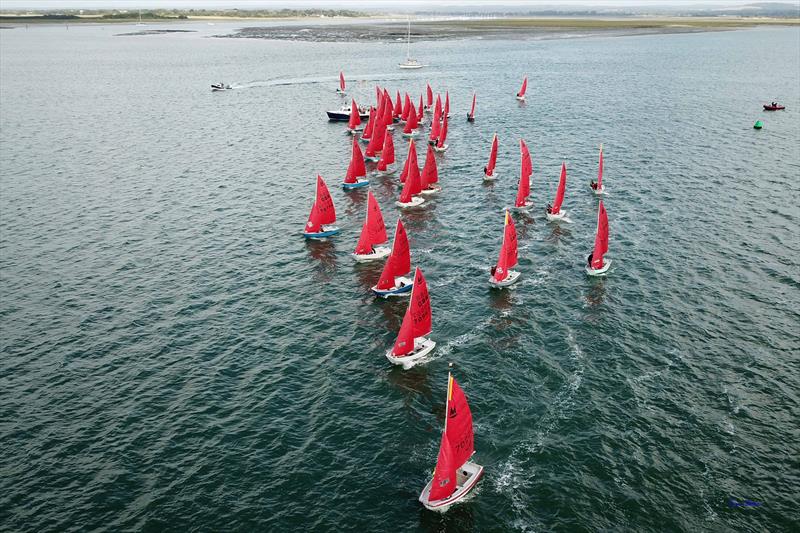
<point x="175" y="357"/>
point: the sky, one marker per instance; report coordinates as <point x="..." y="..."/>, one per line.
<point x="356" y="4"/>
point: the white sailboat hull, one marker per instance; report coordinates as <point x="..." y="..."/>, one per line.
<point x="432" y="189"/>
<point x="490" y="178"/>
<point x="601" y="190"/>
<point x="422" y="347"/>
<point x="555" y="217"/>
<point x="528" y="205"/>
<point x="440" y="149"/>
<point x="513" y="277"/>
<point x="397" y="290"/>
<point x="416" y="201"/>
<point x="381" y="252"/>
<point x="602" y="271"/>
<point x="471" y="470"/>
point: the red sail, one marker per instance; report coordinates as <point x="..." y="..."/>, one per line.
<point x="458" y="424"/>
<point x="404" y="344"/>
<point x="398" y="105"/>
<point x="429" y="93"/>
<point x="314" y="225"/>
<point x="446" y="104"/>
<point x="444" y="477"/>
<point x="430" y="174"/>
<point x="367" y="133"/>
<point x="417" y="320"/>
<point x="406" y="108"/>
<point x="600" y="170"/>
<point x="443" y="135"/>
<point x="411" y="186"/>
<point x="492" y="157"/>
<point x="373" y="231"/>
<point x="341" y="80"/>
<point x="378" y="133"/>
<point x="387" y="154"/>
<point x="420" y="109"/>
<point x="562" y="185"/>
<point x="355" y="118"/>
<point x="508" y="251"/>
<point x="435" y="125"/>
<point x="524" y="186"/>
<point x="438" y="108"/>
<point x="356" y="169"/>
<point x="524" y="87"/>
<point x="527" y="165"/>
<point x="323" y="211"/>
<point x="601" y="238"/>
<point x="377" y="94"/>
<point x="472" y="111"/>
<point x="399" y="262"/>
<point x="404" y="173"/>
<point x="411" y="122"/>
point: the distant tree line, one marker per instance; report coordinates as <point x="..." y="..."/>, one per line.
<point x="117" y="14"/>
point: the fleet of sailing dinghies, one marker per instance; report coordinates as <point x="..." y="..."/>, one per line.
<point x="596" y="263"/>
<point x="523" y="89"/>
<point x="597" y="186"/>
<point x="455" y="474"/>
<point x="393" y="280"/>
<point x="554" y="212"/>
<point x="323" y="214"/>
<point x="412" y="344"/>
<point x="489" y="173"/>
<point x="501" y="274"/>
<point x="471" y="114"/>
<point x="373" y="233"/>
<point x="356" y="176"/>
<point x="524" y="186"/>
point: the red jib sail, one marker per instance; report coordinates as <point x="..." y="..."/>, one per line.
<point x="398" y="106"/>
<point x="443" y="134"/>
<point x="430" y="174"/>
<point x="411" y="122"/>
<point x="562" y="185"/>
<point x="492" y="157"/>
<point x="525" y="155"/>
<point x="435" y="125"/>
<point x="472" y="111"/>
<point x="524" y="87"/>
<point x="508" y="251"/>
<point x="429" y="95"/>
<point x="399" y="262"/>
<point x="356" y="169"/>
<point x="601" y="238"/>
<point x="438" y="108"/>
<point x="341" y="80"/>
<point x="387" y="154"/>
<point x="406" y="108"/>
<point x="446" y="104"/>
<point x="412" y="185"/>
<point x="444" y="477"/>
<point x="404" y="173"/>
<point x="323" y="211"/>
<point x="420" y="109"/>
<point x="526" y="168"/>
<point x="600" y="170"/>
<point x="417" y="320"/>
<point x="355" y="118"/>
<point x="367" y="133"/>
<point x="458" y="424"/>
<point x="373" y="231"/>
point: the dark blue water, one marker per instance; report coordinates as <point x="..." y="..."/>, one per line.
<point x="176" y="357"/>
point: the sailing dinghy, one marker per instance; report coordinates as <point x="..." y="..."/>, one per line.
<point x="488" y="171"/>
<point x="412" y="185"/>
<point x="428" y="98"/>
<point x="393" y="280"/>
<point x="521" y="93"/>
<point x="502" y="275"/>
<point x="354" y="124"/>
<point x="524" y="187"/>
<point x="440" y="145"/>
<point x="323" y="214"/>
<point x="373" y="232"/>
<point x="554" y="212"/>
<point x="410" y="129"/>
<point x="366" y="135"/>
<point x="341" y="89"/>
<point x="375" y="144"/>
<point x="356" y="176"/>
<point x="596" y="264"/>
<point x="455" y="475"/>
<point x="412" y="344"/>
<point x="386" y="162"/>
<point x="430" y="174"/>
<point x="597" y="186"/>
<point x="436" y="122"/>
<point x="471" y="114"/>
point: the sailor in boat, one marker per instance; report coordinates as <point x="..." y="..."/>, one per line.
<point x="589" y="259"/>
<point x="493" y="270"/>
<point x="549" y="209"/>
<point x="486" y="172"/>
<point x="593" y="185"/>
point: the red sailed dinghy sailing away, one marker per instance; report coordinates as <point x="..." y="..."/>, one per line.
<point x="412" y="343"/>
<point x="501" y="273"/>
<point x="524" y="186"/>
<point x="455" y="475"/>
<point x="340" y="90"/>
<point x="409" y="196"/>
<point x="393" y="281"/>
<point x="323" y="214"/>
<point x="523" y="89"/>
<point x="597" y="186"/>
<point x="488" y="171"/>
<point x="430" y="174"/>
<point x="386" y="162"/>
<point x="471" y="114"/>
<point x="354" y="124"/>
<point x="356" y="171"/>
<point x="372" y="233"/>
<point x="554" y="212"/>
<point x="596" y="264"/>
<point x="440" y="145"/>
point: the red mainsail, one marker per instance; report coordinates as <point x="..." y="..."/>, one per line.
<point x="524" y="87"/>
<point x="435" y="125"/>
<point x="411" y="122"/>
<point x="492" y="157"/>
<point x="562" y="186"/>
<point x="355" y="118"/>
<point x="429" y="94"/>
<point x="323" y="210"/>
<point x="356" y="169"/>
<point x="373" y="231"/>
<point x="417" y="320"/>
<point x="443" y="134"/>
<point x="601" y="238"/>
<point x="406" y="108"/>
<point x="458" y="424"/>
<point x="526" y="169"/>
<point x="444" y="477"/>
<point x="367" y="133"/>
<point x="387" y="154"/>
<point x="508" y="251"/>
<point x="399" y="262"/>
<point x="341" y="80"/>
<point x="472" y="111"/>
<point x="446" y="104"/>
<point x="420" y="109"/>
<point x="398" y="106"/>
<point x="430" y="174"/>
<point x="412" y="185"/>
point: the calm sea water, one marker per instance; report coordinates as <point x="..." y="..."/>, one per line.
<point x="176" y="357"/>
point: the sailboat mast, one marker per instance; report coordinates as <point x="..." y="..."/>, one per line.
<point x="447" y="401"/>
<point x="408" y="40"/>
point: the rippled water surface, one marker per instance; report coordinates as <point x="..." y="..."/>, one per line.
<point x="176" y="357"/>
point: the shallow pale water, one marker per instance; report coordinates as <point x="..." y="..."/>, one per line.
<point x="176" y="357"/>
